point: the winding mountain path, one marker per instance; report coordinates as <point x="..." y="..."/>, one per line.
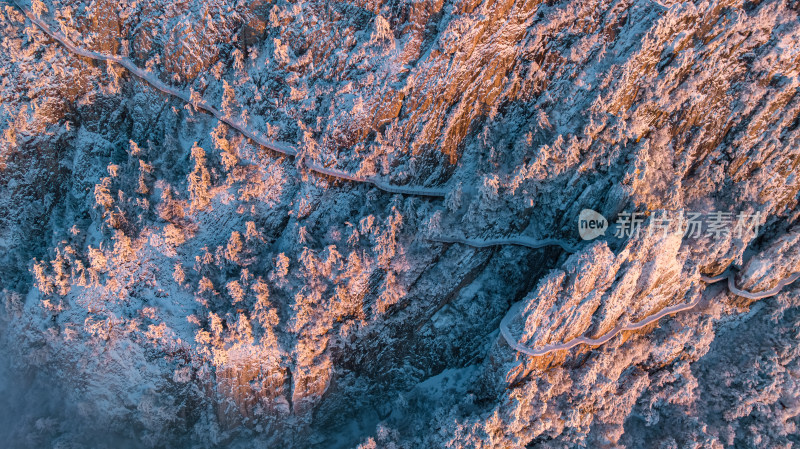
<point x="289" y="150"/>
<point x="729" y="275"/>
<point x="584" y="340"/>
<point x="518" y="240"/>
<point x="200" y="104"/>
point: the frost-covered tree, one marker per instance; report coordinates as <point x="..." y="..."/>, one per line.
<point x="199" y="180"/>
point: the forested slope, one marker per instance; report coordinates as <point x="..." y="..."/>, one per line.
<point x="168" y="281"/>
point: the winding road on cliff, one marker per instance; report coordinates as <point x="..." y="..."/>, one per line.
<point x="289" y="150"/>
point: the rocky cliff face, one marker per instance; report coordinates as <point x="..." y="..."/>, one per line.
<point x="169" y="282"/>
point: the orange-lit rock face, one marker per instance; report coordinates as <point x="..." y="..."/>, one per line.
<point x="355" y="224"/>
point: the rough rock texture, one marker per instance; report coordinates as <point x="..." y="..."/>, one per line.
<point x="167" y="282"/>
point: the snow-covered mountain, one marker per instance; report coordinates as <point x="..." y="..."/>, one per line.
<point x="355" y="224"/>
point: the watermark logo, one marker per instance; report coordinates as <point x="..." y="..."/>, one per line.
<point x="591" y="224"/>
<point x="694" y="225"/>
